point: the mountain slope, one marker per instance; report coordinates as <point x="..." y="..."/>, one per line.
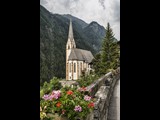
<point x="82" y="23"/>
<point x="96" y="38"/>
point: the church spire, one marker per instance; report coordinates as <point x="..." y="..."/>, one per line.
<point x="70" y="34"/>
<point x="71" y="43"/>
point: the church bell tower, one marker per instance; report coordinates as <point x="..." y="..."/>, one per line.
<point x="69" y="46"/>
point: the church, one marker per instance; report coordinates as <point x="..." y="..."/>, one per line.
<point x="77" y="60"/>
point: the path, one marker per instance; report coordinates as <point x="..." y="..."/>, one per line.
<point x="114" y="109"/>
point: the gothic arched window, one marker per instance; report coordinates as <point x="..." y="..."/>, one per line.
<point x="70" y="67"/>
<point x="74" y="67"/>
<point x="81" y="67"/>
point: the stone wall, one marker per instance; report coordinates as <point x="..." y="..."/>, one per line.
<point x="105" y="86"/>
<point x="93" y="88"/>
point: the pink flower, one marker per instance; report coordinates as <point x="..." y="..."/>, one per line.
<point x="87" y="98"/>
<point x="55" y="94"/>
<point x="46" y="97"/>
<point x="50" y="97"/>
<point x="78" y="108"/>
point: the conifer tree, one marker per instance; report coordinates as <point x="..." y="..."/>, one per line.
<point x="110" y="51"/>
<point x="108" y="58"/>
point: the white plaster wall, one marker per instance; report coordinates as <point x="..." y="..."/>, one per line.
<point x="77" y="69"/>
<point x="70" y="72"/>
<point x="68" y="53"/>
<point x="80" y="67"/>
<point x="84" y="65"/>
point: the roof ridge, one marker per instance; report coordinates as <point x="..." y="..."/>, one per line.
<point x="83" y="49"/>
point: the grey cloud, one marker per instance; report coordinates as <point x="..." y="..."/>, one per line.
<point x="69" y="5"/>
<point x="102" y="3"/>
<point x="116" y="10"/>
<point x="43" y="2"/>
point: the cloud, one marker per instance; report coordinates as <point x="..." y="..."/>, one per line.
<point x="43" y="2"/>
<point x="102" y="3"/>
<point x="102" y="11"/>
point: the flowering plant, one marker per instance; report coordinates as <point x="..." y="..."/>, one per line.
<point x="67" y="102"/>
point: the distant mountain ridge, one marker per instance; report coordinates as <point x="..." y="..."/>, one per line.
<point x="53" y="39"/>
<point x="82" y="23"/>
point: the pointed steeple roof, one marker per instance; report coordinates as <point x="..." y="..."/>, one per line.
<point x="70" y="34"/>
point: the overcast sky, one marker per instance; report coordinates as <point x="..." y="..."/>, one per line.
<point x="102" y="11"/>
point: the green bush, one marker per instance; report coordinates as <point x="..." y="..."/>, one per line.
<point x="86" y="80"/>
<point x="54" y="84"/>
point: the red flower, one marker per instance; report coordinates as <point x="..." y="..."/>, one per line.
<point x="58" y="104"/>
<point x="91" y="104"/>
<point x="69" y="92"/>
<point x="84" y="88"/>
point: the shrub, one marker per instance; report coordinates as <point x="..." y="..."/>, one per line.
<point x="86" y="80"/>
<point x="54" y="84"/>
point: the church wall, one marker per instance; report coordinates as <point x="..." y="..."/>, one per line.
<point x="87" y="67"/>
<point x="79" y="67"/>
<point x="68" y="51"/>
<point x="72" y="75"/>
